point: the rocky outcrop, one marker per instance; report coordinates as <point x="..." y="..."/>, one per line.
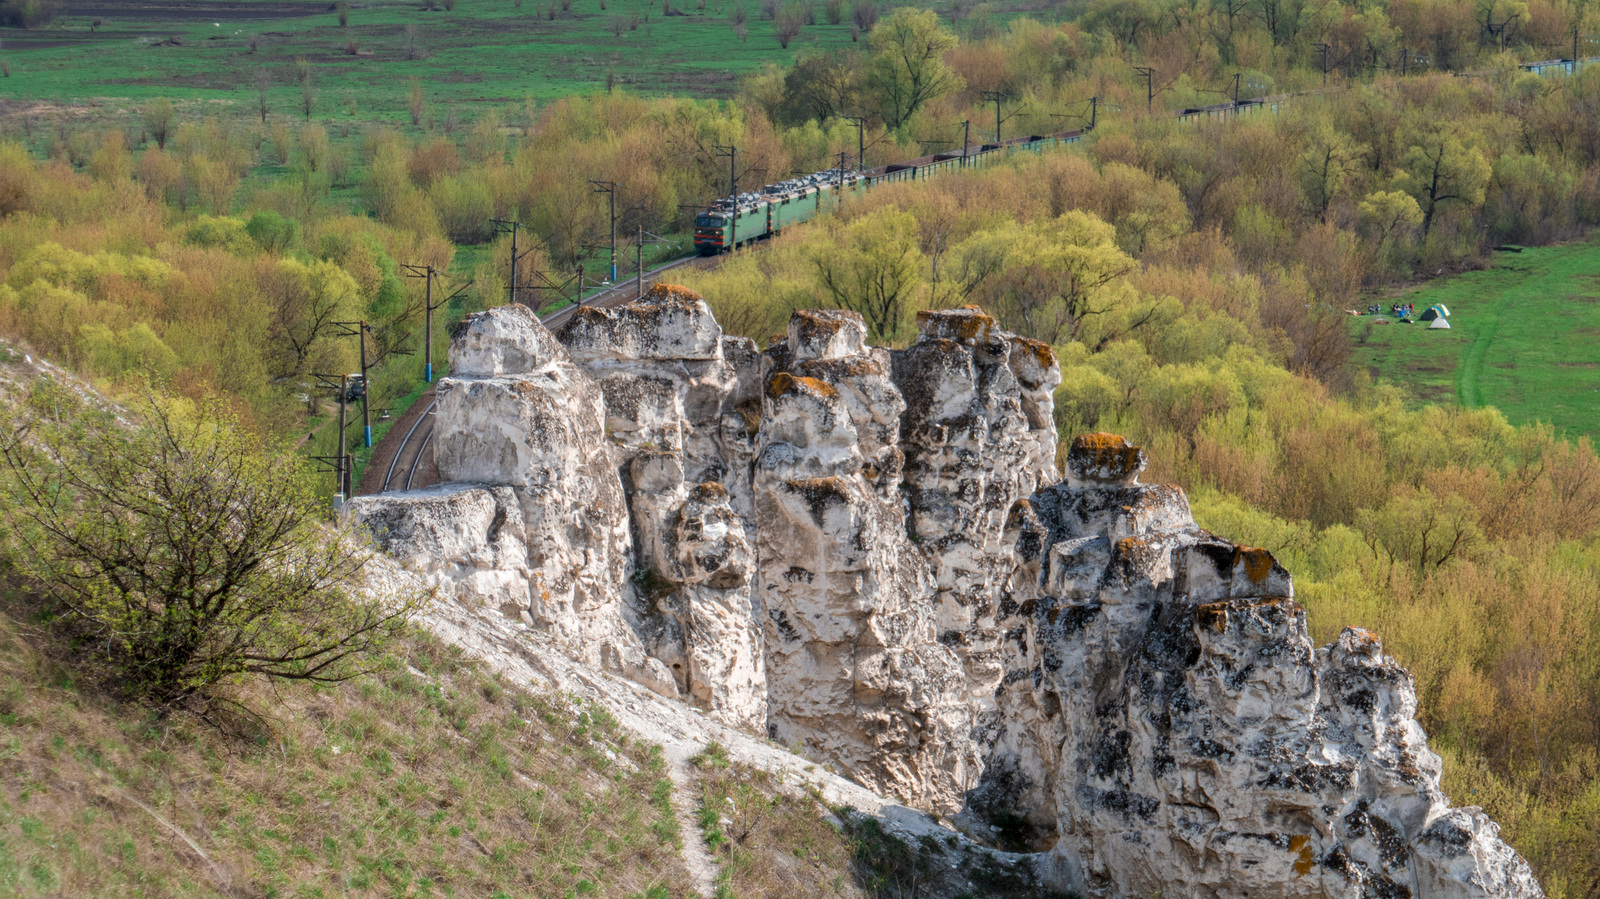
<point x="1168" y="725"/>
<point x="866" y="554"/>
<point x="531" y="520"/>
<point x="856" y="673"/>
<point x="679" y="398"/>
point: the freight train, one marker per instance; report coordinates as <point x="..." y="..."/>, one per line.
<point x="734" y="221"/>
<point x="729" y="223"/>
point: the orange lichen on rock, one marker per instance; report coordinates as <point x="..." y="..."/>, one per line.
<point x="670" y="292"/>
<point x="1041" y="351"/>
<point x="969" y="324"/>
<point x="710" y="491"/>
<point x="784" y="383"/>
<point x="1257" y="563"/>
<point x="1301" y="844"/>
<point x="1104" y="457"/>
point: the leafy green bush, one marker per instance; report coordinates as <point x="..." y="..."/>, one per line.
<point x="179" y="553"/>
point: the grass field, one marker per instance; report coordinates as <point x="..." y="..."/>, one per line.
<point x="1524" y="338"/>
<point x="481" y="54"/>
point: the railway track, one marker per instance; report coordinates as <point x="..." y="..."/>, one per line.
<point x="401" y="460"/>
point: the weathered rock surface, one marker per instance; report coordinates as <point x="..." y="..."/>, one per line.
<point x="867" y="554"/>
<point x="528" y="508"/>
<point x="855" y="669"/>
<point x="1167" y="726"/>
<point x="677" y="394"/>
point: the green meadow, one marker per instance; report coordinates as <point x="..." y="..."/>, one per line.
<point x="480" y="54"/>
<point x="1524" y="338"/>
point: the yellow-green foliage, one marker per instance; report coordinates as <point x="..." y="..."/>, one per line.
<point x="1471" y="546"/>
<point x="98" y="274"/>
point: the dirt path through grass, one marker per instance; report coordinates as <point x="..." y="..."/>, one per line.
<point x="1467" y="384"/>
<point x="697" y="856"/>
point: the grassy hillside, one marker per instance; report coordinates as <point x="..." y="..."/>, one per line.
<point x="1524" y="338"/>
<point x="428" y="778"/>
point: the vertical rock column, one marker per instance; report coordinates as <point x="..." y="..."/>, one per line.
<point x="1174" y="717"/>
<point x="978" y="436"/>
<point x="855" y="671"/>
<point x="531" y="518"/>
<point x="673" y="385"/>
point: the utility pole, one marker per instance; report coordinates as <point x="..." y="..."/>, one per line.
<point x="1323" y="49"/>
<point x="609" y="188"/>
<point x="341" y="459"/>
<point x="1149" y="86"/>
<point x="861" y="139"/>
<point x="638" y="250"/>
<point x="359" y="330"/>
<point x="429" y="307"/>
<point x="839" y="194"/>
<point x="966" y="140"/>
<point x="501" y="226"/>
<point x="1236" y="87"/>
<point x="638" y="264"/>
<point x="995" y="97"/>
<point x="732" y="153"/>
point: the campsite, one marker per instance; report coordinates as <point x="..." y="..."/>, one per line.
<point x="1523" y="336"/>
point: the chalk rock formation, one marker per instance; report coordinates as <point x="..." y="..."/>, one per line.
<point x="530" y="518"/>
<point x="978" y="435"/>
<point x="867" y="554"/>
<point x="882" y="483"/>
<point x="1169" y="728"/>
<point x="678" y="395"/>
<point x="855" y="672"/>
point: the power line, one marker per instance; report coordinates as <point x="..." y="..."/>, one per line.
<point x="360" y="330"/>
<point x="340" y="460"/>
<point x="1149" y="86"/>
<point x="996" y="97"/>
<point x="609" y="188"/>
<point x="428" y="307"/>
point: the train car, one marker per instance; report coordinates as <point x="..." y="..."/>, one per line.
<point x="773" y="208"/>
<point x="777" y="206"/>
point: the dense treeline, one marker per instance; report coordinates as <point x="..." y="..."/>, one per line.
<point x="97" y="271"/>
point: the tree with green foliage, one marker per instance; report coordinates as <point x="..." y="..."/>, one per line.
<point x="306" y="299"/>
<point x="906" y="66"/>
<point x="1049" y="279"/>
<point x="874" y="267"/>
<point x="1441" y="168"/>
<point x="180" y="554"/>
<point x="158" y="119"/>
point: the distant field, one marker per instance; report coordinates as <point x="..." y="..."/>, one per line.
<point x="482" y="54"/>
<point x="1525" y="338"/>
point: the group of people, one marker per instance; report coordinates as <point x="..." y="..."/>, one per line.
<point x="1398" y="310"/>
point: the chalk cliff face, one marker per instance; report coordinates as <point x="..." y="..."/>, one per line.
<point x="866" y="554"/>
<point x="1166" y="719"/>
